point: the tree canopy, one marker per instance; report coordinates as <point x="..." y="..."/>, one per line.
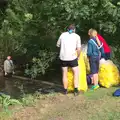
<point x="30" y="28"/>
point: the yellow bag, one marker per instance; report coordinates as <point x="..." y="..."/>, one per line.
<point x="82" y="76"/>
<point x="84" y="51"/>
<point x="87" y="64"/>
<point x="108" y="74"/>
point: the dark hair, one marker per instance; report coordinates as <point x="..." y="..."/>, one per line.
<point x="71" y="27"/>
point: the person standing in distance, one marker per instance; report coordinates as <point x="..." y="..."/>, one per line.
<point x="8" y="66"/>
<point x="70" y="44"/>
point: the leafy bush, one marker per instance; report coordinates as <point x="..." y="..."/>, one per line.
<point x="40" y="65"/>
<point x="116" y="55"/>
<point x="30" y="25"/>
<point x="6" y="101"/>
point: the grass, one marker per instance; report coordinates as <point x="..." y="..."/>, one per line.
<point x="106" y="106"/>
<point x="93" y="105"/>
<point x="100" y="93"/>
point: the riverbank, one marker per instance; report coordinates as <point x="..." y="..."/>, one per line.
<point x="51" y="83"/>
<point x="93" y="105"/>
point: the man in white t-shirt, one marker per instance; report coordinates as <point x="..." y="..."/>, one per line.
<point x="69" y="43"/>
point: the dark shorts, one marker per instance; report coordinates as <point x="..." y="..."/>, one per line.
<point x="73" y="63"/>
<point x="94" y="64"/>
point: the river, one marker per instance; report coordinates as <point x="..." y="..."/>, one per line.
<point x="16" y="87"/>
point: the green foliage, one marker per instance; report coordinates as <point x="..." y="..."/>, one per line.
<point x="115" y="55"/>
<point x="6" y="101"/>
<point x="40" y="64"/>
<point x="28" y="100"/>
<point x="30" y="26"/>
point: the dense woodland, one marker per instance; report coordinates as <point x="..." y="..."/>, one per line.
<point x="29" y="29"/>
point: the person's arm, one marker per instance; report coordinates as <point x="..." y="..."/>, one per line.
<point x="98" y="41"/>
<point x="58" y="46"/>
<point x="5" y="67"/>
<point x="78" y="52"/>
<point x="78" y="47"/>
<point x="104" y="42"/>
<point x="58" y="43"/>
<point x="102" y="52"/>
<point x="13" y="67"/>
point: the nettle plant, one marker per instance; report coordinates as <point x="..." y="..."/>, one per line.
<point x="6" y="101"/>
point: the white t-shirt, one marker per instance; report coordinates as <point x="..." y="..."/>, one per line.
<point x="68" y="44"/>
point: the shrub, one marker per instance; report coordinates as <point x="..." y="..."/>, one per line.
<point x="40" y="64"/>
<point x="6" y="101"/>
<point x="116" y="55"/>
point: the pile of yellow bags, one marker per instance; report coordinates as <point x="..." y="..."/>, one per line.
<point x="108" y="74"/>
<point x="108" y="71"/>
<point x="82" y="76"/>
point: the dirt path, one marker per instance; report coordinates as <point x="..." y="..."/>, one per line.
<point x="91" y="106"/>
<point x="54" y="108"/>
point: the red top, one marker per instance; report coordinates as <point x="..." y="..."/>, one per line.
<point x="105" y="45"/>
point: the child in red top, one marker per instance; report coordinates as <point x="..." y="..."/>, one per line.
<point x="105" y="46"/>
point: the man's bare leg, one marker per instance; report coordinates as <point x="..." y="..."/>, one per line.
<point x="76" y="78"/>
<point x="64" y="78"/>
<point x="95" y="80"/>
<point x="92" y="80"/>
<point x="95" y="76"/>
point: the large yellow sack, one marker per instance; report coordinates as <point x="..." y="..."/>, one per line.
<point x="87" y="65"/>
<point x="82" y="76"/>
<point x="108" y="74"/>
<point x="84" y="51"/>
